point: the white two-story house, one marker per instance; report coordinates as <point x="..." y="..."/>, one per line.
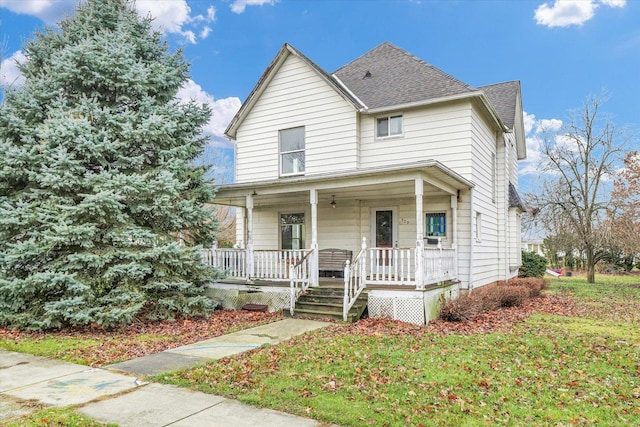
<point x="388" y="163"/>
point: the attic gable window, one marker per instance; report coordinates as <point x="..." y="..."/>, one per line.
<point x="292" y="151"/>
<point x="389" y="126"/>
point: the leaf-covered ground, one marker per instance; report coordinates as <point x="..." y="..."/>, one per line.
<point x="97" y="347"/>
<point x="559" y="360"/>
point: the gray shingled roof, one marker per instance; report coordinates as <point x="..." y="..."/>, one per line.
<point x="503" y="97"/>
<point x="387" y="76"/>
<point x="514" y="198"/>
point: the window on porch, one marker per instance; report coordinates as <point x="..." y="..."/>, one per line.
<point x="436" y="224"/>
<point x="292" y="231"/>
<point x="292" y="151"/>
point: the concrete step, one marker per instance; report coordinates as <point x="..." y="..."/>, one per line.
<point x="322" y="314"/>
<point x="326" y="303"/>
<point x="326" y="306"/>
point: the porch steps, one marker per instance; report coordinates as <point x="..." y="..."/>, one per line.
<point x="326" y="303"/>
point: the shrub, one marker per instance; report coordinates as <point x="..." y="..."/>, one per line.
<point x="487" y="298"/>
<point x="534" y="284"/>
<point x="513" y="293"/>
<point x="511" y="296"/>
<point x="533" y="265"/>
<point x="457" y="310"/>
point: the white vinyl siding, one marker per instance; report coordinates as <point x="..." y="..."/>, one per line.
<point x="297" y="96"/>
<point x="488" y="261"/>
<point x="344" y="226"/>
<point x="441" y="132"/>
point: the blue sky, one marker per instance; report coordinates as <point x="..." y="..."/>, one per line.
<point x="561" y="51"/>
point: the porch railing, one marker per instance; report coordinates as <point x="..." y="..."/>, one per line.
<point x="232" y="261"/>
<point x="274" y="264"/>
<point x="355" y="275"/>
<point x="383" y="266"/>
<point x="438" y="265"/>
<point x="299" y="278"/>
<point x="399" y="266"/>
<point x="393" y="266"/>
<point x="266" y="264"/>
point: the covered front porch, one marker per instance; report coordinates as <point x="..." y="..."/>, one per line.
<point x="394" y="229"/>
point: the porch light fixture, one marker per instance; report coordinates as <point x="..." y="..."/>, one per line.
<point x="333" y="202"/>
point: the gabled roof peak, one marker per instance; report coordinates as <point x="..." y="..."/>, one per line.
<point x="396" y="77"/>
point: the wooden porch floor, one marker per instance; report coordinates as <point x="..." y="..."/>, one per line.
<point x="325" y="282"/>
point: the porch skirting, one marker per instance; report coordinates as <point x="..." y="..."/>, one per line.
<point x="412" y="306"/>
<point x="418" y="307"/>
<point x="233" y="297"/>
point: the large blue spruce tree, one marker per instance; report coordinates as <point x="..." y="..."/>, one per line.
<point x="97" y="178"/>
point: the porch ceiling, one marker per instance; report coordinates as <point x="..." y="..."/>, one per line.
<point x="370" y="184"/>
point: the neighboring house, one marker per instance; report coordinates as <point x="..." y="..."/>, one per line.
<point x="533" y="245"/>
<point x="407" y="172"/>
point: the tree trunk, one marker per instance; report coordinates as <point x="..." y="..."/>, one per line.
<point x="591" y="267"/>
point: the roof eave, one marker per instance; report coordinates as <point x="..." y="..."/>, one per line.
<point x="423" y="103"/>
<point x="268" y="75"/>
<point x="328" y="176"/>
<point x="521" y="142"/>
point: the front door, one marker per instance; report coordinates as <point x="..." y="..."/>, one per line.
<point x="383" y="230"/>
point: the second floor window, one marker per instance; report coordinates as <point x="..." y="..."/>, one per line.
<point x="389" y="126"/>
<point x="292" y="151"/>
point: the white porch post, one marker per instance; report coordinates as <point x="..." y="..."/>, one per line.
<point x="250" y="271"/>
<point x="454" y="243"/>
<point x="313" y="273"/>
<point x="419" y="234"/>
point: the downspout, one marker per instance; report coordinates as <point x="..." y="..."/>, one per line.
<point x="472" y="240"/>
<point x="505" y="209"/>
<point x="454" y="243"/>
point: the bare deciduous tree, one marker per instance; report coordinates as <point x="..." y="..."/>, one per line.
<point x="624" y="212"/>
<point x="578" y="159"/>
<point x="221" y="170"/>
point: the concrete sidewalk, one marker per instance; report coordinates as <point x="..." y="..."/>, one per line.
<point x="218" y="347"/>
<point x="109" y="396"/>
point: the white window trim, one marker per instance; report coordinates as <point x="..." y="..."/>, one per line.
<point x="372" y="223"/>
<point x="446" y="221"/>
<point x="281" y="153"/>
<point x="388" y="117"/>
<point x="304" y="223"/>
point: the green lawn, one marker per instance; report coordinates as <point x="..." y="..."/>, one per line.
<point x="550" y="370"/>
<point x="54" y="417"/>
<point x="98" y="347"/>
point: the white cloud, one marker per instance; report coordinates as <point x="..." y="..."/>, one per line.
<point x="211" y="14"/>
<point x="169" y="16"/>
<point x="564" y="13"/>
<point x="614" y="3"/>
<point x="223" y="110"/>
<point x="529" y="122"/>
<point x="10" y="75"/>
<point x="535" y="130"/>
<point x="49" y="11"/>
<point x="548" y="125"/>
<point x="238" y="6"/>
<point x="172" y="16"/>
<point x="205" y="32"/>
